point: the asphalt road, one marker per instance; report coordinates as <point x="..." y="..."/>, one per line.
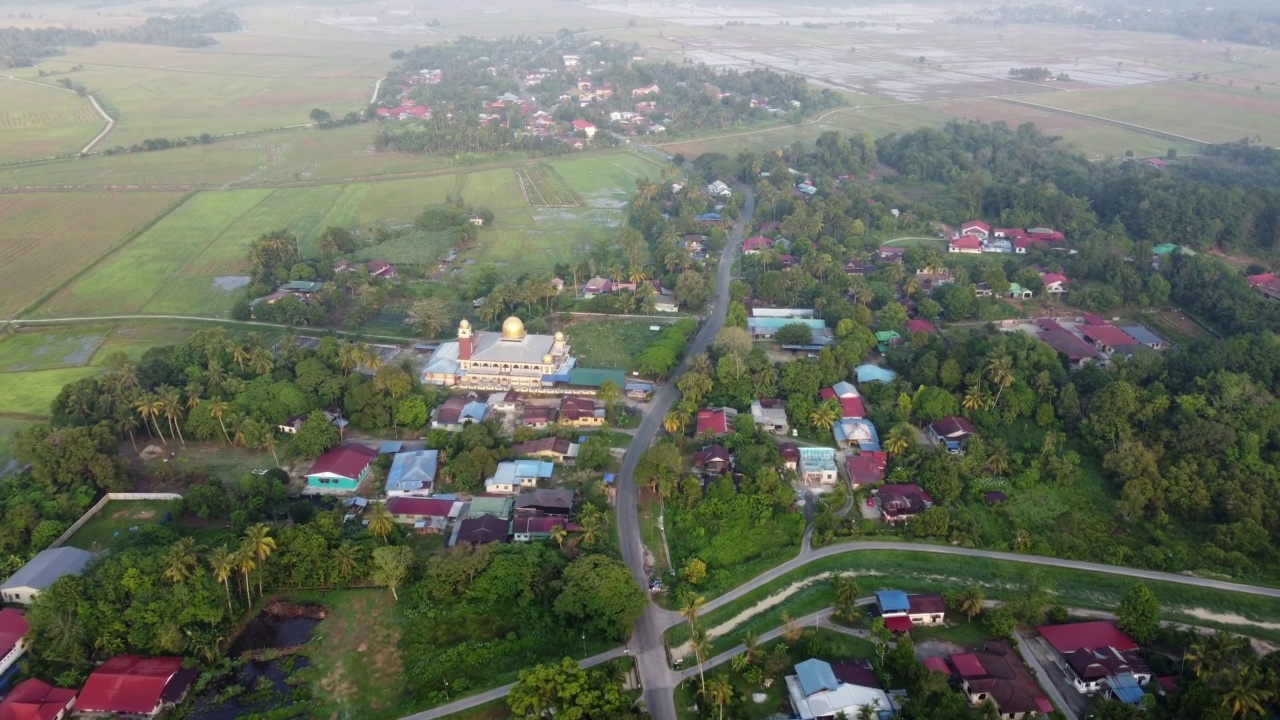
<point x="651" y="656"/>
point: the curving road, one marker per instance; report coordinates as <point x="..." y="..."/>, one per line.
<point x="658" y="679"/>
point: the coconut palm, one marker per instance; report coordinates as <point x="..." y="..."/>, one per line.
<point x="348" y="357"/>
<point x="213" y="376"/>
<point x="1245" y="693"/>
<point x="975" y="399"/>
<point x="690" y="605"/>
<point x="899" y="439"/>
<point x="150" y="408"/>
<point x="218" y="409"/>
<point x="173" y="410"/>
<point x="260" y="361"/>
<point x="700" y="642"/>
<point x="558" y="533"/>
<point x="971" y="601"/>
<point x="259" y="541"/>
<point x="192" y="393"/>
<point x="241" y="355"/>
<point x="847" y="594"/>
<point x="127" y="423"/>
<point x="718" y="691"/>
<point x="178" y="563"/>
<point x="1000" y="370"/>
<point x="824" y="417"/>
<point x="673" y="423"/>
<point x="380" y="521"/>
<point x="246" y="563"/>
<point x="346" y="560"/>
<point x="590" y="520"/>
<point x="223" y="563"/>
<point x="998" y="460"/>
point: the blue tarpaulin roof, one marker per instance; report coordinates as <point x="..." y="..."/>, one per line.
<point x="815" y="676"/>
<point x="1126" y="688"/>
<point x="608" y="479"/>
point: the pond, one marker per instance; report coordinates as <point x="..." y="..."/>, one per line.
<point x="266" y="649"/>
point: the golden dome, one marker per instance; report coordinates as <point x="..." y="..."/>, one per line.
<point x="464" y="325"/>
<point x="546" y="359"/>
<point x="559" y="336"/>
<point x="512" y="329"/>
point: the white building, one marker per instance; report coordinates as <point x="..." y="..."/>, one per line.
<point x="41" y="571"/>
<point x="13" y="626"/>
<point x="816" y="693"/>
<point x="818" y="466"/>
<point x="719" y="189"/>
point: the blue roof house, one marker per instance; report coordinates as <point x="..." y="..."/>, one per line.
<point x="510" y="476"/>
<point x="892" y="602"/>
<point x="413" y="474"/>
<point x="874" y="373"/>
<point x="815" y="676"/>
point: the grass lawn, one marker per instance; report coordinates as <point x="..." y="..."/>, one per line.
<point x="115" y="519"/>
<point x="609" y="343"/>
<point x="496" y="710"/>
<point x="651" y="534"/>
<point x="43" y="120"/>
<point x="219" y="459"/>
<point x="356" y="668"/>
<point x="29" y="393"/>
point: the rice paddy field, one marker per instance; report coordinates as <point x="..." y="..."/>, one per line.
<point x="42" y="120"/>
<point x="46" y="238"/>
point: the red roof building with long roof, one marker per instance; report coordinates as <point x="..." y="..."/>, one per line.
<point x="128" y="684"/>
<point x="36" y="700"/>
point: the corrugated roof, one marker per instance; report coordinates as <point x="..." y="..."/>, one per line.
<point x="47" y="566"/>
<point x="412" y="471"/>
<point x="815" y="676"/>
<point x="127" y="684"/>
<point x="892" y="601"/>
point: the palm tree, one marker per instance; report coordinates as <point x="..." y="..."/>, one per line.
<point x="128" y="423"/>
<point x="1000" y="370"/>
<point x="223" y="564"/>
<point x="236" y="421"/>
<point x="751" y="646"/>
<point x="847" y="594"/>
<point x="149" y="408"/>
<point x="899" y="439"/>
<point x="246" y="563"/>
<point x="240" y="356"/>
<point x="689" y="608"/>
<point x="269" y="444"/>
<point x="178" y="563"/>
<point x="673" y="423"/>
<point x="719" y="691"/>
<point x="218" y="408"/>
<point x="213" y="376"/>
<point x="558" y="533"/>
<point x="259" y="541"/>
<point x="998" y="461"/>
<point x="173" y="410"/>
<point x="971" y="601"/>
<point x="346" y="560"/>
<point x="260" y="361"/>
<point x="380" y="521"/>
<point x="193" y="395"/>
<point x="700" y="641"/>
<point x="824" y="416"/>
<point x="1246" y="693"/>
<point x="348" y="357"/>
<point x="590" y="519"/>
<point x="975" y="399"/>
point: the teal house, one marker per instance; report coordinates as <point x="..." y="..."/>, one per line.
<point x="340" y="470"/>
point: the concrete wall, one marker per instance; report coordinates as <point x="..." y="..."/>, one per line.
<point x="88" y="515"/>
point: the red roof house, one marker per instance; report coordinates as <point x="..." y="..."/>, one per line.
<point x="965" y="244"/>
<point x="867" y="468"/>
<point x="714" y="421"/>
<point x="790" y="453"/>
<point x="1263" y="279"/>
<point x="344" y="467"/>
<point x="713" y="459"/>
<point x="916" y="325"/>
<point x="129" y="684"/>
<point x="852" y="408"/>
<point x="967" y="665"/>
<point x="756" y="244"/>
<point x="902" y="502"/>
<point x="1045" y="234"/>
<point x="412" y="509"/>
<point x="35" y="700"/>
<point x="1107" y="337"/>
<point x="1086" y="635"/>
<point x="975" y="227"/>
<point x="584" y="126"/>
<point x="381" y="269"/>
<point x="12" y="627"/>
<point x="889" y="252"/>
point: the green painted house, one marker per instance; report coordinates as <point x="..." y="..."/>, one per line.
<point x="340" y="470"/>
<point x="886" y="339"/>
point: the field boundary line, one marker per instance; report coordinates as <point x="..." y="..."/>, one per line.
<point x="523" y="189"/>
<point x="119" y="244"/>
<point x="19" y="324"/>
<point x="111" y="124"/>
<point x="1163" y="134"/>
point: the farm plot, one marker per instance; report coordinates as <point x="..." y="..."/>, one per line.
<point x="608" y="180"/>
<point x="38" y="121"/>
<point x="494" y="189"/>
<point x="44" y="238"/>
<point x="28" y="394"/>
<point x="43" y="350"/>
<point x="542" y="186"/>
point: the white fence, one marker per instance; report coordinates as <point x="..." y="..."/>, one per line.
<point x="88" y="515"/>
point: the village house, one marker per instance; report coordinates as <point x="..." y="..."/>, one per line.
<point x="135" y="686"/>
<point x="36" y="700"/>
<point x="570" y="61"/>
<point x="713" y="460"/>
<point x="538" y="417"/>
<point x="581" y="412"/>
<point x="426" y="515"/>
<point x="508" y="401"/>
<point x="645" y="90"/>
<point x="557" y="450"/>
<point x="996" y="673"/>
<point x="340" y="469"/>
<point x="848" y="399"/>
<point x="482" y="530"/>
<point x="891" y="252"/>
<point x="41" y="571"/>
<point x="512" y="476"/>
<point x="715" y="421"/>
<point x="903" y="612"/>
<point x="719" y="189"/>
<point x="496" y="505"/>
<point x="950" y="432"/>
<point x="1106" y="337"/>
<point x="1097" y="657"/>
<point x="976" y="228"/>
<point x="818" y="692"/>
<point x="1143" y="336"/>
<point x="916" y="325"/>
<point x="856" y="432"/>
<point x="753" y="245"/>
<point x="770" y="414"/>
<point x="901" y="502"/>
<point x="412" y="474"/>
<point x="545" y="501"/>
<point x="866" y="468"/>
<point x="1054" y="283"/>
<point x="597" y="286"/>
<point x="968" y="244"/>
<point x="636" y="390"/>
<point x="458" y="412"/>
<point x="584" y="127"/>
<point x="531" y="528"/>
<point x="817" y="467"/>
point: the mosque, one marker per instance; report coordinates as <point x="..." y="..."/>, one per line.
<point x="510" y="360"/>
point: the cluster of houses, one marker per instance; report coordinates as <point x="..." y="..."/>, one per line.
<point x="123" y="686"/>
<point x="1094" y="658"/>
<point x="976" y="236"/>
<point x="1092" y="339"/>
<point x="377" y="268"/>
<point x="300" y="289"/>
<point x="764" y="323"/>
<point x="407" y="108"/>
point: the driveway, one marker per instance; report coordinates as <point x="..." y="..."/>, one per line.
<point x="1064" y="696"/>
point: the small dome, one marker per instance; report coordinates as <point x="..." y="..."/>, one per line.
<point x="559" y="336"/>
<point x="546" y="359"/>
<point x="464" y="325"/>
<point x="512" y="329"/>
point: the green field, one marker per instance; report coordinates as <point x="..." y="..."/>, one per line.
<point x="114" y="519"/>
<point x="355" y="660"/>
<point x="41" y="350"/>
<point x="29" y="393"/>
<point x="43" y="120"/>
<point x="48" y="237"/>
<point x="609" y="343"/>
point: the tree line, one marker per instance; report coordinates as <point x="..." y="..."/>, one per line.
<point x="22" y="47"/>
